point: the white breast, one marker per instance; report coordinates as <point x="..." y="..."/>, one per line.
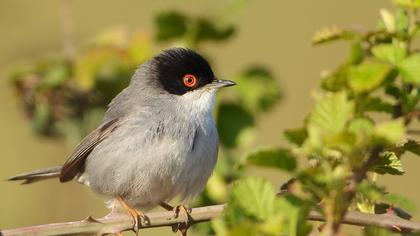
<point x="147" y="171"/>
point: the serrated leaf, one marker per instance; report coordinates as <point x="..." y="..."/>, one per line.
<point x="272" y="157"/>
<point x="296" y="136"/>
<point x="253" y="203"/>
<point x="256" y="197"/>
<point x="412" y="146"/>
<point x="410" y="69"/>
<point x="367" y="76"/>
<point x="170" y="25"/>
<point x="332" y="113"/>
<point x="392" y="53"/>
<point x="389" y="164"/>
<point x="390" y="131"/>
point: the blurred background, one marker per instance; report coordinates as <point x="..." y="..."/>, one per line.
<point x="273" y="34"/>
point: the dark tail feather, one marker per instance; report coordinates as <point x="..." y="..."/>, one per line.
<point x="37" y="175"/>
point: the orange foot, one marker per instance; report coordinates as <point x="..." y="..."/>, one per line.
<point x="178" y="210"/>
<point x="135" y="214"/>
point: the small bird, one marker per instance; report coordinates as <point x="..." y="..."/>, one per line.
<point x="157" y="140"/>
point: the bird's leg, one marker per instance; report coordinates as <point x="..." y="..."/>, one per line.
<point x="134" y="213"/>
<point x="180" y="209"/>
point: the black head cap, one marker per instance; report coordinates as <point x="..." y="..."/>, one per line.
<point x="171" y="66"/>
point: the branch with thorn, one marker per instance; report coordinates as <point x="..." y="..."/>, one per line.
<point x="120" y="222"/>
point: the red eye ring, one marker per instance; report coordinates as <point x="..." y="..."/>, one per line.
<point x="190" y="81"/>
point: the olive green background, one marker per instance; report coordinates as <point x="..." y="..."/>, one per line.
<point x="276" y="33"/>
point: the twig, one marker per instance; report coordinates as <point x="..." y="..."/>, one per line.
<point x="119" y="222"/>
<point x="359" y="174"/>
<point x="67" y="27"/>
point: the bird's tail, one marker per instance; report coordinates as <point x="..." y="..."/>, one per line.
<point x="37" y="175"/>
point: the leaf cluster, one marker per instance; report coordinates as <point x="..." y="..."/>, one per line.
<point x="357" y="131"/>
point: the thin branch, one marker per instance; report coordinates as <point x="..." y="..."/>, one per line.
<point x="120" y="222"/>
<point x="67" y="27"/>
<point x="359" y="174"/>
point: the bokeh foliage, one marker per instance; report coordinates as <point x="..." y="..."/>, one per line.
<point x="362" y="124"/>
<point x="66" y="97"/>
<point x="360" y="127"/>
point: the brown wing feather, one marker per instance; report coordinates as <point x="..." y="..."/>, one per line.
<point x="76" y="160"/>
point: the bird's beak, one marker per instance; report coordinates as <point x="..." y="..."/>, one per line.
<point x="220" y="83"/>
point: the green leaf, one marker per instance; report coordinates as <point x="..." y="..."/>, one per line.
<point x="170" y="25"/>
<point x="272" y="157"/>
<point x="408" y="3"/>
<point x="257" y="89"/>
<point x="412" y="146"/>
<point x="389" y="164"/>
<point x="367" y="76"/>
<point x="206" y="30"/>
<point x="401" y="20"/>
<point x="391" y="53"/>
<point x="390" y="131"/>
<point x="410" y="69"/>
<point x="254" y="204"/>
<point x="360" y="126"/>
<point x="56" y="75"/>
<point x="375" y="104"/>
<point x="332" y="113"/>
<point x="296" y="136"/>
<point x="388" y="19"/>
<point x="232" y="120"/>
<point x="256" y="197"/>
<point x="357" y="53"/>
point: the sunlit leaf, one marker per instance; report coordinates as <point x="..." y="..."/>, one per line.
<point x="332" y="113"/>
<point x="410" y="69"/>
<point x="389" y="164"/>
<point x="388" y="19"/>
<point x="390" y="131"/>
<point x="367" y="76"/>
<point x="392" y="53"/>
<point x="256" y="197"/>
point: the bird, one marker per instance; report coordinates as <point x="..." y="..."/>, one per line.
<point x="157" y="140"/>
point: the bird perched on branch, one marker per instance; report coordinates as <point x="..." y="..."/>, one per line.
<point x="157" y="140"/>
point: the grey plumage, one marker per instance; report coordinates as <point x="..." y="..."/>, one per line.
<point x="157" y="140"/>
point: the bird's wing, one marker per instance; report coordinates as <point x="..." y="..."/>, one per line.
<point x="75" y="162"/>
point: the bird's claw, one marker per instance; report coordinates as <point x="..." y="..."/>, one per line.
<point x="182" y="227"/>
<point x="136" y="215"/>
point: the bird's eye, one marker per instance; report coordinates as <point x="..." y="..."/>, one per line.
<point x="190" y="81"/>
